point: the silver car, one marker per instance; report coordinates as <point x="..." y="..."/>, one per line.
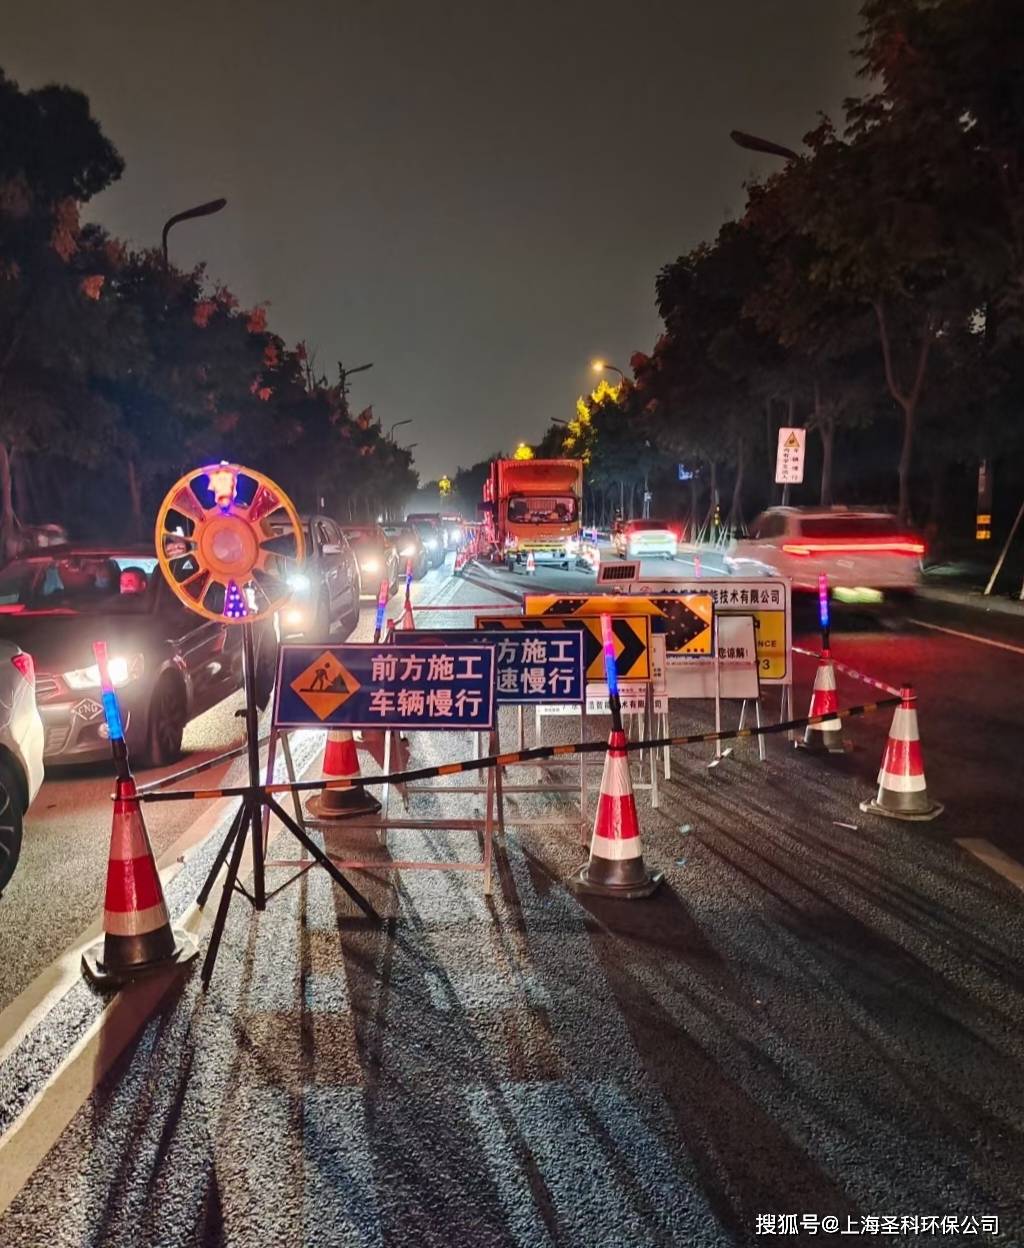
<point x="21" y="751"/>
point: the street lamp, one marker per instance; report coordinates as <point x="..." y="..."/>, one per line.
<point x="202" y="210"/>
<point x="391" y="434"/>
<point x="555" y="420"/>
<point x="601" y="366"/>
<point x="753" y="144"/>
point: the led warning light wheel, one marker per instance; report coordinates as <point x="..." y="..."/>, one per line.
<point x="229" y="540"/>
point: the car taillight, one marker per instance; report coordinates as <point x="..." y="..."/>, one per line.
<point x="23" y="662"/>
<point x="900" y="547"/>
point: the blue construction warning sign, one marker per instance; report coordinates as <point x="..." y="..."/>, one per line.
<point x="534" y="666"/>
<point x="385" y="686"/>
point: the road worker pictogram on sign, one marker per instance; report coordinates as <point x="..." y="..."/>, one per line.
<point x="325" y="685"/>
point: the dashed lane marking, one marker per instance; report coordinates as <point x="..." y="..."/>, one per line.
<point x="995" y="859"/>
<point x="982" y="641"/>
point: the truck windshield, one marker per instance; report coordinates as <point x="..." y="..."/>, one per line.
<point x="534" y="509"/>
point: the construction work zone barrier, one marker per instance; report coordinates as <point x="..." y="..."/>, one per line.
<point x="902" y="789"/>
<point x="519" y="757"/>
<point x="852" y="672"/>
<point x="825" y="738"/>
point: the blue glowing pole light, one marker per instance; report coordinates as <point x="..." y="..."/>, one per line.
<point x="611" y="672"/>
<point x="111" y="709"/>
<point x="408" y="577"/>
<point x="823" y="607"/>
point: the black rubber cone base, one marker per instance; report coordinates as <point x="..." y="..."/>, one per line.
<point x="108" y="975"/>
<point x="583" y="884"/>
<point x="873" y="807"/>
<point x="820" y="744"/>
<point x="357" y="802"/>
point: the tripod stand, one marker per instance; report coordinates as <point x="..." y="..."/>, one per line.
<point x="248" y="821"/>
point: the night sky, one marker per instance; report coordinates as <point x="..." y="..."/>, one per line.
<point x="475" y="196"/>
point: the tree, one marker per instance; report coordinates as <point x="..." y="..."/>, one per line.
<point x="53" y="158"/>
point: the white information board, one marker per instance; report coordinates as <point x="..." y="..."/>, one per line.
<point x="789" y="460"/>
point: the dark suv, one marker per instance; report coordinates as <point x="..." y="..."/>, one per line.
<point x="325" y="591"/>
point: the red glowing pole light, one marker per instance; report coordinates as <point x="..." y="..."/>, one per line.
<point x="382" y="603"/>
<point x="907" y="547"/>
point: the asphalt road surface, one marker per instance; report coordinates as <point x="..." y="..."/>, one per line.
<point x="818" y="1016"/>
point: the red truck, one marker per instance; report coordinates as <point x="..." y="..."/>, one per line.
<point x="532" y="506"/>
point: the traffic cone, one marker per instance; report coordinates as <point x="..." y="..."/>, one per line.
<point x="826" y="737"/>
<point x="137" y="932"/>
<point x="531" y="564"/>
<point x="341" y="762"/>
<point x="408" y="622"/>
<point x="616" y="867"/>
<point x="902" y="790"/>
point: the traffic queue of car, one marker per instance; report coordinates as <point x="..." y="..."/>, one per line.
<point x="168" y="664"/>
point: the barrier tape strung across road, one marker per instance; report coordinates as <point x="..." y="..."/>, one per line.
<point x="850" y="671"/>
<point x="520" y="756"/>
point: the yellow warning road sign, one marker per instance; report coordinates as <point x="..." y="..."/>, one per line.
<point x="631" y="634"/>
<point x="325" y="685"/>
<point x="685" y="619"/>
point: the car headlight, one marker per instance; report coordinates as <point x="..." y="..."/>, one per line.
<point x="371" y="565"/>
<point x="121" y="671"/>
<point x="408" y="552"/>
<point x="456" y="535"/>
<point x="299" y="581"/>
<point x="294" y="617"/>
<point x="431" y="543"/>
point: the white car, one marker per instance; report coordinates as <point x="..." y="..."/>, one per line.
<point x="639" y="539"/>
<point x="863" y="553"/>
<point x="21" y="751"/>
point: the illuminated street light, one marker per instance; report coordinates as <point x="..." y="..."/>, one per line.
<point x="600" y="366"/>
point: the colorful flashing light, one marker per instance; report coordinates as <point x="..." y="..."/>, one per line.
<point x="408" y="577"/>
<point x="111" y="709"/>
<point x="223" y="483"/>
<point x="235" y="606"/>
<point x="382" y="606"/>
<point x="823" y="610"/>
<point x="610" y="670"/>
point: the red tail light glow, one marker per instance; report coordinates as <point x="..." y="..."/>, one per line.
<point x="23" y="662"/>
<point x="903" y="546"/>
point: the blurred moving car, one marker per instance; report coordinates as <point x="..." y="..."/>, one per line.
<point x="428" y="529"/>
<point x="639" y="539"/>
<point x="454" y="531"/>
<point x="407" y="543"/>
<point x="325" y="593"/>
<point x="168" y="663"/>
<point x="863" y="553"/>
<point x="21" y="751"/>
<point x="377" y="556"/>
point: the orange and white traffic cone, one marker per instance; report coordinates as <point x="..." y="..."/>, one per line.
<point x="616" y="867"/>
<point x="137" y="932"/>
<point x="341" y="762"/>
<point x="408" y="620"/>
<point x="531" y="564"/>
<point x="826" y="737"/>
<point x="902" y="790"/>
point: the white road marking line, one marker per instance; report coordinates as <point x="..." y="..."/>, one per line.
<point x="995" y="859"/>
<point x="982" y="641"/>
